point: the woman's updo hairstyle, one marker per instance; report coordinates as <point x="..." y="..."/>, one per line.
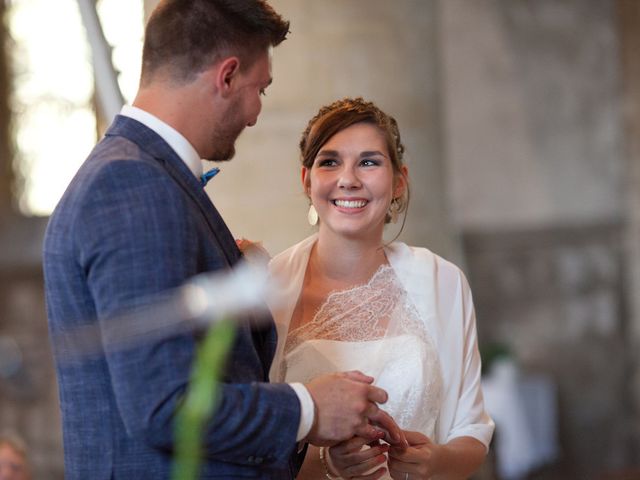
<point x="341" y="114"/>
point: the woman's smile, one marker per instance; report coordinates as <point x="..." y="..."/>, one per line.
<point x="350" y="204"/>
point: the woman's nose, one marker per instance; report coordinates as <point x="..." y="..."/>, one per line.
<point x="348" y="179"/>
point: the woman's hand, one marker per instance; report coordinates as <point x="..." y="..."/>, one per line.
<point x="349" y="460"/>
<point x="457" y="459"/>
<point x="419" y="461"/>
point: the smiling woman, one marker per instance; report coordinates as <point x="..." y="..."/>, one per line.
<point x="400" y="314"/>
<point x="54" y="115"/>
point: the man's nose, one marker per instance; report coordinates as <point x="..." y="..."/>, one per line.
<point x="251" y="123"/>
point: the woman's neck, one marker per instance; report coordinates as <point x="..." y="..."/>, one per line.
<point x="347" y="260"/>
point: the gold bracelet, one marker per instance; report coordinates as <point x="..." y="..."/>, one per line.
<point x="325" y="465"/>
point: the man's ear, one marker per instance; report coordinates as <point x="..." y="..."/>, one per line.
<point x="226" y="72"/>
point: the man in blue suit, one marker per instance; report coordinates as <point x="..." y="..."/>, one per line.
<point x="136" y="222"/>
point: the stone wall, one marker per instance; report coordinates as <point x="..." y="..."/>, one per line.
<point x="629" y="25"/>
<point x="28" y="392"/>
<point x="554" y="297"/>
<point x="537" y="171"/>
<point x="533" y="125"/>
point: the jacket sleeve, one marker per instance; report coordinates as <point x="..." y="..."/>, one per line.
<point x="137" y="237"/>
<point x="469" y="417"/>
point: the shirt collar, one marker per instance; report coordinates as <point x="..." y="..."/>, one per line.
<point x="176" y="141"/>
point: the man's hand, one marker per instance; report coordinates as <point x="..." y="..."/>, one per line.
<point x="393" y="434"/>
<point x="345" y="405"/>
<point x="253" y="252"/>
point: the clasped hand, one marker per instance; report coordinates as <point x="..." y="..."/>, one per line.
<point x="349" y="460"/>
<point x="346" y="405"/>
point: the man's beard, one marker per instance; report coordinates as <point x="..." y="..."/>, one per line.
<point x="222" y="153"/>
<point x="224" y="137"/>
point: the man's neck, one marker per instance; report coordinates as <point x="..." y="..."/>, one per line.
<point x="178" y="107"/>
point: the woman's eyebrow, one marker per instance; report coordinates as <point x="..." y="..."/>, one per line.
<point x="329" y="153"/>
<point x="370" y="153"/>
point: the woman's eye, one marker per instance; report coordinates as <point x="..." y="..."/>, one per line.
<point x="369" y="163"/>
<point x="327" y="162"/>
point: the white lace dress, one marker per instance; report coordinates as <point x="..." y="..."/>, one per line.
<point x="373" y="328"/>
<point x="412" y="327"/>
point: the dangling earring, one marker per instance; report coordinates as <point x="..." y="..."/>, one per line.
<point x="394" y="210"/>
<point x="312" y="215"/>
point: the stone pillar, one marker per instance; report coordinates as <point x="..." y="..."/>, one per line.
<point x="6" y="151"/>
<point x="149" y="5"/>
<point x="629" y="37"/>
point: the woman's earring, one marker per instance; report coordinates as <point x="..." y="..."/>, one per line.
<point x="394" y="210"/>
<point x="312" y="215"/>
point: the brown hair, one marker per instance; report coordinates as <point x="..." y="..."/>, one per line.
<point x="184" y="37"/>
<point x="341" y="114"/>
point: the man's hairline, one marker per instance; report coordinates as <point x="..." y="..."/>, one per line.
<point x="166" y="73"/>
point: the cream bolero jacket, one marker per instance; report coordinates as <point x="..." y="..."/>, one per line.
<point x="442" y="297"/>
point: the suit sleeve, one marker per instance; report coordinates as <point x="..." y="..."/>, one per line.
<point x="137" y="236"/>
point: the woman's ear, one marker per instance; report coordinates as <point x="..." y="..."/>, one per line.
<point x="306" y="181"/>
<point x="400" y="182"/>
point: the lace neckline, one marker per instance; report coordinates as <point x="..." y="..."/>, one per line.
<point x="359" y="313"/>
<point x="354" y="290"/>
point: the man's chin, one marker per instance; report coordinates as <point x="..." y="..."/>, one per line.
<point x="222" y="156"/>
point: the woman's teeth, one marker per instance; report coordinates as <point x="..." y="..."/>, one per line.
<point x="350" y="203"/>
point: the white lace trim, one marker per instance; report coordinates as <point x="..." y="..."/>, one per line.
<point x="362" y="313"/>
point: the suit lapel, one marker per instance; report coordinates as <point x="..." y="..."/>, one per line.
<point x="154" y="145"/>
<point x="262" y="339"/>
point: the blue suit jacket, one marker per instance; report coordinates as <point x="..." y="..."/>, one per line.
<point x="135" y="222"/>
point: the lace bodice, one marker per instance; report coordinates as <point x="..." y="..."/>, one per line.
<point x="376" y="329"/>
<point x="364" y="312"/>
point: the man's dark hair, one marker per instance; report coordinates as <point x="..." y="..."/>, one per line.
<point x="185" y="37"/>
